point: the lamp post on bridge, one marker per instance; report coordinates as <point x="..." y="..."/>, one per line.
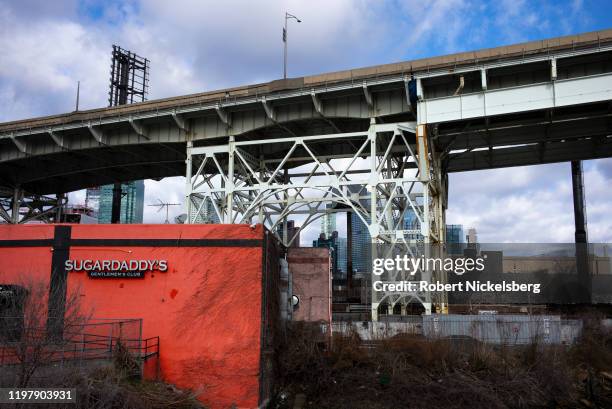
<point x="287" y="17"/>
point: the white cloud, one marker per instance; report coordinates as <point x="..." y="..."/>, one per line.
<point x="530" y="204"/>
<point x="42" y="63"/>
<point x="168" y="190"/>
<point x="195" y="46"/>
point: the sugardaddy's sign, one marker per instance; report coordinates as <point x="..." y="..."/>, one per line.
<point x="116" y="268"/>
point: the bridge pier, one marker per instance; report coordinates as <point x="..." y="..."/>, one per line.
<point x="580" y="235"/>
<point x="116" y="206"/>
<point x="16" y="204"/>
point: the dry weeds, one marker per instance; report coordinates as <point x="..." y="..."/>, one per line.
<point x="413" y="372"/>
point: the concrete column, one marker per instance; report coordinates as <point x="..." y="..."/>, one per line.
<point x="116" y="208"/>
<point x="580" y="235"/>
<point x="61" y="200"/>
<point x="579" y="204"/>
<point x="16" y="204"/>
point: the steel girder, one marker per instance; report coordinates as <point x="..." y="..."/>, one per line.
<point x="18" y="206"/>
<point x="378" y="175"/>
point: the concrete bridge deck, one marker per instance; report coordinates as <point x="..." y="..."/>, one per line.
<point x="549" y="100"/>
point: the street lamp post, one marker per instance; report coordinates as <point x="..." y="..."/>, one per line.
<point x="287" y="17"/>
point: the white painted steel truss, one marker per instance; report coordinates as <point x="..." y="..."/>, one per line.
<point x="379" y="175"/>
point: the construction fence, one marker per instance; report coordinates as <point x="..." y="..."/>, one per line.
<point x="494" y="329"/>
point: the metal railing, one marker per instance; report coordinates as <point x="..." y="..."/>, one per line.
<point x="98" y="340"/>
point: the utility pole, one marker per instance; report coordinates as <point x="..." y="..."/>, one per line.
<point x="77" y="96"/>
<point x="287" y="17"/>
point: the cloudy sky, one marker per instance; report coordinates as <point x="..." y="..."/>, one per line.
<point x="198" y="45"/>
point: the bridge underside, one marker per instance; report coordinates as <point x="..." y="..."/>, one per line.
<point x="578" y="132"/>
<point x="529" y="138"/>
<point x="73" y="169"/>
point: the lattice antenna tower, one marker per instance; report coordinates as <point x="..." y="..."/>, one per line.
<point x="129" y="81"/>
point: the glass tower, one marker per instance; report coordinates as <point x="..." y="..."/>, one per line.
<point x="132" y="203"/>
<point x="454" y="239"/>
<point x="207" y="214"/>
<point x="92" y="200"/>
<point x="362" y="245"/>
<point x="454" y="233"/>
<point x="332" y="244"/>
<point x="342" y="257"/>
<point x="328" y="224"/>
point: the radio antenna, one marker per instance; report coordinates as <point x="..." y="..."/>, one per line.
<point x="165" y="205"/>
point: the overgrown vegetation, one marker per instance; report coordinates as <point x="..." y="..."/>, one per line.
<point x="114" y="386"/>
<point x="30" y="335"/>
<point x="413" y="372"/>
<point x="38" y="350"/>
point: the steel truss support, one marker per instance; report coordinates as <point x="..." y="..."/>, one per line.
<point x="18" y="206"/>
<point x="377" y="175"/>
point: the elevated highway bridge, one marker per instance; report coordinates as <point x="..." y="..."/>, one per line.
<point x="374" y="141"/>
<point x="553" y="94"/>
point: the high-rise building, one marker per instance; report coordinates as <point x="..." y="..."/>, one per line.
<point x="328" y="224"/>
<point x="332" y="244"/>
<point x="92" y="200"/>
<point x="342" y="257"/>
<point x="455" y="239"/>
<point x="132" y="203"/>
<point x="361" y="251"/>
<point x="206" y="215"/>
<point x="293" y="232"/>
<point x="472" y="236"/>
<point x="454" y="233"/>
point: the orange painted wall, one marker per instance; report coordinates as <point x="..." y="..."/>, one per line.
<point x="206" y="308"/>
<point x="26" y="266"/>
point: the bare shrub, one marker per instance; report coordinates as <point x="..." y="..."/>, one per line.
<point x="594" y="351"/>
<point x="37" y="325"/>
<point x="305" y="351"/>
<point x="125" y="363"/>
<point x="410" y="371"/>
